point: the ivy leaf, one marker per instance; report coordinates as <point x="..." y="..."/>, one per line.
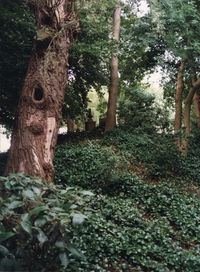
<point x="42" y="238"/>
<point x="75" y="251"/>
<point x="87" y="193"/>
<point x="26" y="224"/>
<point x="64" y="259"/>
<point x="37" y="210"/>
<point x="15" y="204"/>
<point x="78" y="219"/>
<point x="28" y="193"/>
<point x="39" y="222"/>
<point x="4" y="251"/>
<point x="60" y="244"/>
<point x="5" y="235"/>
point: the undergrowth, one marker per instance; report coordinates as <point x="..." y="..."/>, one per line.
<point x="144" y="220"/>
<point x="122" y="202"/>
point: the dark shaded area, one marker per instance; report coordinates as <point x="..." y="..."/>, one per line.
<point x="3" y="160"/>
<point x="16" y="36"/>
<point x="38" y="94"/>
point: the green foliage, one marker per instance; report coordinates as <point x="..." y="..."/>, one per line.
<point x="90" y="166"/>
<point x="138" y="111"/>
<point x="144" y="226"/>
<point x="155" y="153"/>
<point x="16" y="34"/>
<point x="134" y="224"/>
<point x="36" y="224"/>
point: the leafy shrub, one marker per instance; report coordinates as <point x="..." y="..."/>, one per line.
<point x="138" y="110"/>
<point x="90" y="166"/>
<point x="157" y="153"/>
<point x="36" y="224"/>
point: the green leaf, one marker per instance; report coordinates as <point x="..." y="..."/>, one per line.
<point x="36" y="190"/>
<point x="15" y="204"/>
<point x="64" y="259"/>
<point x="78" y="219"/>
<point x="37" y="210"/>
<point x="88" y="193"/>
<point x="4" y="251"/>
<point x="28" y="193"/>
<point x="39" y="222"/>
<point x="75" y="251"/>
<point x="42" y="238"/>
<point x="25" y="217"/>
<point x="2" y="229"/>
<point x="26" y="225"/>
<point x="60" y="244"/>
<point x="6" y="235"/>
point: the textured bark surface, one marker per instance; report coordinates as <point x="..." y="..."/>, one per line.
<point x="196" y="103"/>
<point x="178" y="102"/>
<point x="40" y="106"/>
<point x="70" y="125"/>
<point x="187" y="110"/>
<point x="114" y="76"/>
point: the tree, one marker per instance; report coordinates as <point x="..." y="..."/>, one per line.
<point x="179" y="25"/>
<point x="40" y="106"/>
<point x="114" y="75"/>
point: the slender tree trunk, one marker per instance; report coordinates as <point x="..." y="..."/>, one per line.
<point x="188" y="102"/>
<point x="40" y="106"/>
<point x="70" y="125"/>
<point x="196" y="103"/>
<point x="114" y="76"/>
<point x="178" y="102"/>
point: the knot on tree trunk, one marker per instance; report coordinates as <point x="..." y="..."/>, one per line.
<point x="36" y="128"/>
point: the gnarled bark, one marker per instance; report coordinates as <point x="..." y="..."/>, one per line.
<point x="114" y="77"/>
<point x="40" y="106"/>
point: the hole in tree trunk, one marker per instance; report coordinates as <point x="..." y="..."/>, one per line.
<point x="38" y="94"/>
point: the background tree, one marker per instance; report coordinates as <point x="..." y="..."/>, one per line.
<point x="179" y="27"/>
<point x="114" y="73"/>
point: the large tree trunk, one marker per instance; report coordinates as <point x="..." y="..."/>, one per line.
<point x="40" y="106"/>
<point x="196" y="103"/>
<point x="188" y="102"/>
<point x="178" y="102"/>
<point x="114" y="76"/>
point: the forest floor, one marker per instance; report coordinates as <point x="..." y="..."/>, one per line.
<point x="145" y="215"/>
